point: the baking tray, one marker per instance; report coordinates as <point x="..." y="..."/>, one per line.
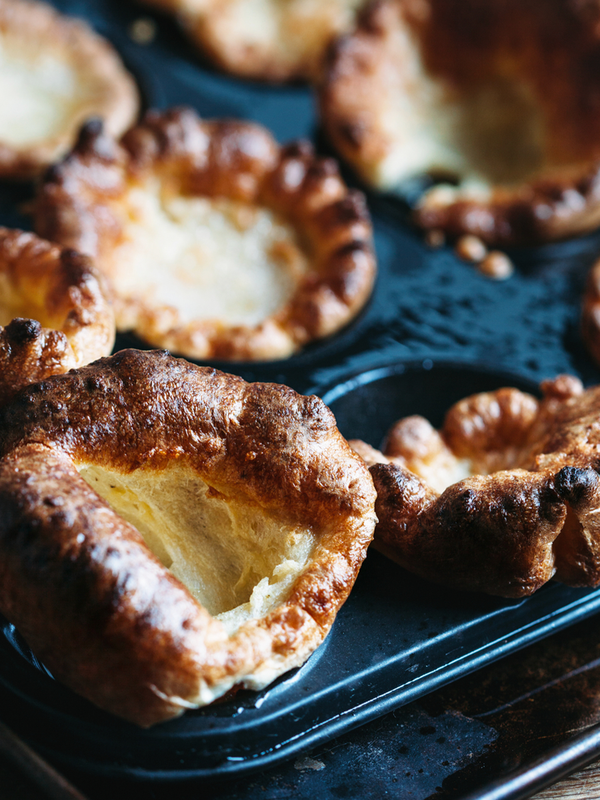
<point x="395" y="640"/>
<point x="434" y="331"/>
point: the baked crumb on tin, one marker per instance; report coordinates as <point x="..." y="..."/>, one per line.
<point x="217" y="242"/>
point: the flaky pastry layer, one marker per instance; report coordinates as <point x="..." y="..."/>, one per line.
<point x="503" y="498"/>
<point x="168" y="532"/>
<point x="217" y="242"/>
<point x="55" y="313"/>
<point x="55" y="73"/>
<point x="498" y="104"/>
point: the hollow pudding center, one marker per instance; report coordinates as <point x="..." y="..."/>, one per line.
<point x="39" y="93"/>
<point x="483" y="133"/>
<point x="235" y="559"/>
<point x="205" y="258"/>
<point x="498" y="97"/>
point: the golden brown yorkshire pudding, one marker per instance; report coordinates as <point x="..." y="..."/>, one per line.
<point x="270" y="40"/>
<point x="217" y="242"/>
<point x="504" y="497"/>
<point x="169" y="531"/>
<point x="55" y="73"/>
<point x="54" y="308"/>
<point x="501" y="97"/>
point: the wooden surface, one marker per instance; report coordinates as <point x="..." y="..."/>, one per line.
<point x="582" y="785"/>
<point x="24" y="775"/>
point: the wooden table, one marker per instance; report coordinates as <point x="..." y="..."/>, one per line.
<point x="582" y="785"/>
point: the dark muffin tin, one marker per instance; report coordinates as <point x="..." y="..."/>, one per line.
<point x="434" y="331"/>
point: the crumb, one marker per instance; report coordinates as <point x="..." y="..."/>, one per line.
<point x="303" y="764"/>
<point x="497" y="265"/>
<point x="470" y="248"/>
<point x="435" y="238"/>
<point x="143" y="30"/>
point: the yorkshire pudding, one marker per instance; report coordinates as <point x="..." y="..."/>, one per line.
<point x="54" y="309"/>
<point x="55" y="73"/>
<point x="501" y="97"/>
<point x="217" y="242"/>
<point x="132" y="478"/>
<point x="504" y="497"/>
<point x="271" y="40"/>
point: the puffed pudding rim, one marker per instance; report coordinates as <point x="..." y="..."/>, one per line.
<point x="503" y="498"/>
<point x="94" y="60"/>
<point x="55" y="308"/>
<point x="543" y="189"/>
<point x="152" y="432"/>
<point x="81" y="203"/>
<point x="294" y="52"/>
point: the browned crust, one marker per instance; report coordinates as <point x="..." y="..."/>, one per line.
<point x="79" y="582"/>
<point x="38" y="27"/>
<point x="295" y="51"/>
<point x="552" y="208"/>
<point x="553" y="47"/>
<point x="346" y="91"/>
<point x="530" y="515"/>
<point x="491" y="535"/>
<point x="491" y="429"/>
<point x="60" y="311"/>
<point x="78" y="206"/>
